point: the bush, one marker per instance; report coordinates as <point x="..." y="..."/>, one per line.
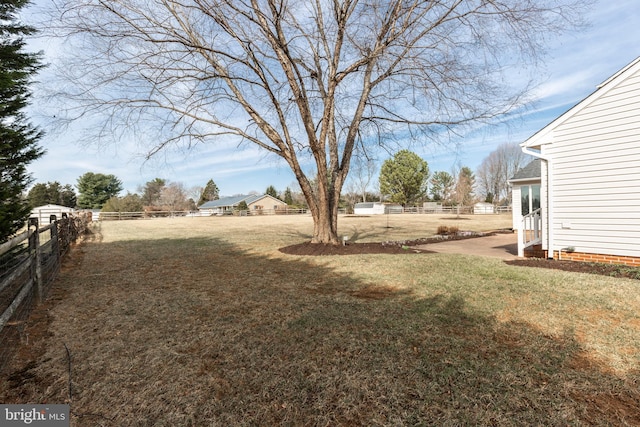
<point x="444" y="230"/>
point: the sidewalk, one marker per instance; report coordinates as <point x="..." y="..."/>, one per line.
<point x="502" y="245"/>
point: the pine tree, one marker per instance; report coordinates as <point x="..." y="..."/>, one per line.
<point x="18" y="137"/>
<point x="464" y="187"/>
<point x="52" y="193"/>
<point x="404" y="178"/>
<point x="442" y="186"/>
<point x="151" y="191"/>
<point x="210" y="192"/>
<point x="271" y="191"/>
<point x="288" y="197"/>
<point x="96" y="188"/>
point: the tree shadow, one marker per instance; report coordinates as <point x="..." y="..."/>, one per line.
<point x="201" y="332"/>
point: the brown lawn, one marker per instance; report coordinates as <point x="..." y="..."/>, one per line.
<point x="202" y="321"/>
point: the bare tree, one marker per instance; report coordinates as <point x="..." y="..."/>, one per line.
<point x="173" y="197"/>
<point x="306" y="80"/>
<point x="363" y="170"/>
<point x="496" y="169"/>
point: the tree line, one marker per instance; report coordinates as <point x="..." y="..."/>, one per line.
<point x="101" y="191"/>
<point x="404" y="179"/>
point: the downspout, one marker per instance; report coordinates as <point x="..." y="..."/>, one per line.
<point x="546" y="159"/>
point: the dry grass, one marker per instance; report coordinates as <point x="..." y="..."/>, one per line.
<point x="201" y="321"/>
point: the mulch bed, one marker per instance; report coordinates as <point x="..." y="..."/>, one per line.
<point x="391" y="248"/>
<point x="316" y="249"/>
<point x="409" y="247"/>
<point x="612" y="270"/>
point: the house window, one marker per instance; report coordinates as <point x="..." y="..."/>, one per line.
<point x="529" y="198"/>
<point x="535" y="197"/>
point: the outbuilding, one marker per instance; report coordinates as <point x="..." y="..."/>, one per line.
<point x="482" y="208"/>
<point x="369" y="208"/>
<point x="43" y="213"/>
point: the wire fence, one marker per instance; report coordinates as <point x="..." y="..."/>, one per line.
<point x="29" y="263"/>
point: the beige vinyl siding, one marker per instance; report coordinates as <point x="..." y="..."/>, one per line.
<point x="596" y="174"/>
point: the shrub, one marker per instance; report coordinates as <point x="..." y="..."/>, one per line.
<point x="444" y="230"/>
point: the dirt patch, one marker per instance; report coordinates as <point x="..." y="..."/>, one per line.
<point x="611" y="270"/>
<point x="377" y="292"/>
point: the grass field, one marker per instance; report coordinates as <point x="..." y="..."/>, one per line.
<point x="202" y="322"/>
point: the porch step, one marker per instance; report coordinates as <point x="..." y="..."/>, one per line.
<point x="535" y="251"/>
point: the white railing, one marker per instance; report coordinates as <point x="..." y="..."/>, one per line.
<point x="531" y="229"/>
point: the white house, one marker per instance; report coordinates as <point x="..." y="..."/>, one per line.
<point x="589" y="187"/>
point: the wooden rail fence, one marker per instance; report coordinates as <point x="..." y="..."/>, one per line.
<point x="121" y="216"/>
<point x="29" y="263"/>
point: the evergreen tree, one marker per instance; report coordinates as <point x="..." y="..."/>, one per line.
<point x="96" y="188"/>
<point x="18" y="138"/>
<point x="210" y="192"/>
<point x="442" y="186"/>
<point x="151" y="191"/>
<point x="52" y="193"/>
<point x="242" y="206"/>
<point x="404" y="178"/>
<point x="464" y="187"/>
<point x="288" y="197"/>
<point x="271" y="191"/>
<point x="38" y="195"/>
<point x="68" y="196"/>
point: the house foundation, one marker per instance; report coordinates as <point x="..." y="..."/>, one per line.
<point x="536" y="251"/>
<point x="605" y="259"/>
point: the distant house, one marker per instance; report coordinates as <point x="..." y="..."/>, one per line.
<point x="256" y="203"/>
<point x="581" y="199"/>
<point x="43" y="213"/>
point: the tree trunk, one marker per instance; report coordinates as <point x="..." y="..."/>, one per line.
<point x="325" y="221"/>
<point x="325" y="228"/>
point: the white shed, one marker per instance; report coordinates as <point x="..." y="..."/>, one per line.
<point x="368" y="208"/>
<point x="43" y="213"/>
<point x="482" y="208"/>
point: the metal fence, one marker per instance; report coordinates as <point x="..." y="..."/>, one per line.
<point x="29" y="263"/>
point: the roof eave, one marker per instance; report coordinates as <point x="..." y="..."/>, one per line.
<point x="545" y="135"/>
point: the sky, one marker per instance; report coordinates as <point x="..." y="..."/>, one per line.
<point x="577" y="63"/>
